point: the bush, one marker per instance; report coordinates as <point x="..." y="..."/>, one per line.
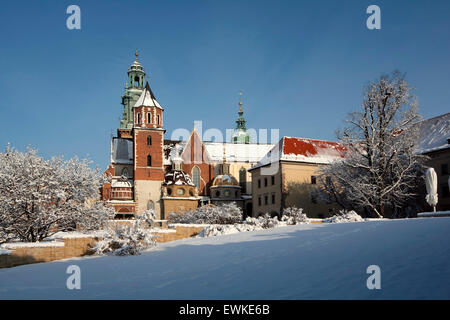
<point x="228" y="213"/>
<point x="294" y="215"/>
<point x="345" y="216"/>
<point x="264" y="221"/>
<point x="126" y="240"/>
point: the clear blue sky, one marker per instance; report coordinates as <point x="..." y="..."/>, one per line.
<point x="301" y="65"/>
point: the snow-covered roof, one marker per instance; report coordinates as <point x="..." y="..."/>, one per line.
<point x="237" y="152"/>
<point x="122" y="151"/>
<point x="303" y="150"/>
<point x="434" y="134"/>
<point x="234" y="152"/>
<point x="147" y="98"/>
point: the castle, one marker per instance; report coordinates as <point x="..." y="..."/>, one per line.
<point x="148" y="171"/>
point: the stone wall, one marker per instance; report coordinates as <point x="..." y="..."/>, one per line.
<point x="76" y="247"/>
<point x="45" y="252"/>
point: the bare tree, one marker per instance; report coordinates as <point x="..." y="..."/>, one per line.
<point x="381" y="168"/>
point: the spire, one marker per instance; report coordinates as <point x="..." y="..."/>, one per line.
<point x="240" y="112"/>
<point x="240" y="122"/>
<point x="240" y="135"/>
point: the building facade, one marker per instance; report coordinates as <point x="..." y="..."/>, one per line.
<point x="286" y="175"/>
<point x="434" y="142"/>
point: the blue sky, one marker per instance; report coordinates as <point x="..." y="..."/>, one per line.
<point x="301" y="65"/>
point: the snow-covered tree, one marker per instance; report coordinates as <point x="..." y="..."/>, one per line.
<point x="40" y="197"/>
<point x="294" y="215"/>
<point x="381" y="169"/>
<point x="227" y="213"/>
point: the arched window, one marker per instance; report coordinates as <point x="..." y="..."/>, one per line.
<point x="196" y="176"/>
<point x="150" y="205"/>
<point x="125" y="172"/>
<point x="149" y="161"/>
<point x="139" y="118"/>
<point x="149" y="140"/>
<point x="158" y="118"/>
<point x="149" y="117"/>
<point x="243" y="179"/>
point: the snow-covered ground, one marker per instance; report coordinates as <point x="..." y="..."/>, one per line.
<point x="313" y="261"/>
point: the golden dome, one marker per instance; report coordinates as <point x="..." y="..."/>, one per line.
<point x="225" y="180"/>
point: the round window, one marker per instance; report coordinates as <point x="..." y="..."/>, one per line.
<point x="227" y="193"/>
<point x="217" y="194"/>
<point x="180" y="191"/>
<point x="169" y="191"/>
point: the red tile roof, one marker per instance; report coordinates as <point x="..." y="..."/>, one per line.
<point x="311" y="148"/>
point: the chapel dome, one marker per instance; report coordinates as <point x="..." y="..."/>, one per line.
<point x="225" y="180"/>
<point x="178" y="178"/>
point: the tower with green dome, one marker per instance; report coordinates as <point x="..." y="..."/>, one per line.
<point x="133" y="89"/>
<point x="240" y="134"/>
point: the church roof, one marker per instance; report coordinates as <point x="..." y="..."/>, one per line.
<point x="147" y="98"/>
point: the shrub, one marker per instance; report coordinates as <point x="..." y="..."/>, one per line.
<point x="126" y="240"/>
<point x="345" y="216"/>
<point x="228" y="213"/>
<point x="294" y="215"/>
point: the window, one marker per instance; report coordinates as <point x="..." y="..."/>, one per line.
<point x="217" y="194"/>
<point x="273" y="180"/>
<point x="313" y="180"/>
<point x="139" y="118"/>
<point x="259" y="184"/>
<point x="265" y="182"/>
<point x="444" y="169"/>
<point x="136" y="81"/>
<point x="227" y="193"/>
<point x="158" y="119"/>
<point x="259" y="201"/>
<point x="445" y="191"/>
<point x="150" y="205"/>
<point x="266" y="200"/>
<point x="169" y="191"/>
<point x="149" y="117"/>
<point x="273" y="198"/>
<point x="180" y="191"/>
<point x="125" y="172"/>
<point x="149" y="161"/>
<point x="196" y="176"/>
<point x="149" y="140"/>
<point x="243" y="179"/>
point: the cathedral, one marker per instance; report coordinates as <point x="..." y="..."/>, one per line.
<point x="149" y="172"/>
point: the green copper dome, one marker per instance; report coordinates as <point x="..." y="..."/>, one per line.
<point x="133" y="90"/>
